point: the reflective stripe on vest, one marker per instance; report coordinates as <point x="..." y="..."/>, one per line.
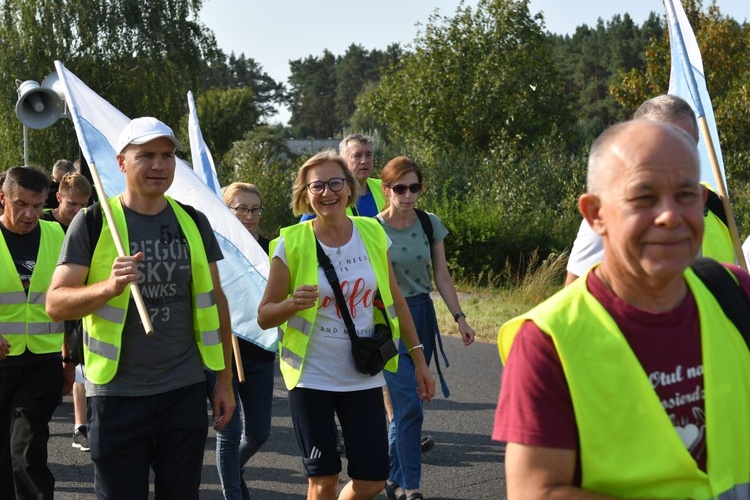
<point x="302" y="260"/>
<point x="103" y="328"/>
<point x="12" y="298"/>
<point x="23" y="319"/>
<point x="632" y="432"/>
<point x="20" y="328"/>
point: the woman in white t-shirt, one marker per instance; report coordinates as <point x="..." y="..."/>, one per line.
<point x="316" y="358"/>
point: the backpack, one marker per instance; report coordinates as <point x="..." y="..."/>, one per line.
<point x="727" y="292"/>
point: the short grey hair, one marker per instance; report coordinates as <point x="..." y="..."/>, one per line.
<point x="669" y="108"/>
<point x="365" y="140"/>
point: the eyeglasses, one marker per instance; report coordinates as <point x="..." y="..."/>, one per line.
<point x="242" y="210"/>
<point x="401" y="188"/>
<point x="335" y="184"/>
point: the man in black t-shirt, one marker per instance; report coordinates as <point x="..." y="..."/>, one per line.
<point x="32" y="378"/>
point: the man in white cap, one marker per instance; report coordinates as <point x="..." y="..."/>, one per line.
<point x="147" y="393"/>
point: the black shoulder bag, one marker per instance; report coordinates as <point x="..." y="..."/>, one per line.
<point x="370" y="353"/>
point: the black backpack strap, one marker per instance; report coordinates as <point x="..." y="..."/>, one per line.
<point x="426" y="223"/>
<point x="714" y="204"/>
<point x="93" y="217"/>
<point x="727" y="292"/>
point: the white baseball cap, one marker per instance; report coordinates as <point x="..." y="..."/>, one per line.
<point x="143" y="130"/>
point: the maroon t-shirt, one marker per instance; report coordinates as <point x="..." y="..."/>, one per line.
<point x="535" y="407"/>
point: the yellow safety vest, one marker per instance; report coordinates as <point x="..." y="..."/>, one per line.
<point x="373" y="185"/>
<point x="103" y="328"/>
<point x="302" y="260"/>
<point x="628" y="446"/>
<point x="23" y="319"/>
<point x="717" y="242"/>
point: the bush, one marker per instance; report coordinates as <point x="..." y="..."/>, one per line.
<point x="263" y="159"/>
<point x="502" y="209"/>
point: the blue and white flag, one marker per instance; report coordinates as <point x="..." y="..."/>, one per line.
<point x="98" y="124"/>
<point x="233" y="271"/>
<point x="203" y="162"/>
<point x="688" y="81"/>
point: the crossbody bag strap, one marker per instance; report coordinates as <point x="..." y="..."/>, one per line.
<point x="333" y="279"/>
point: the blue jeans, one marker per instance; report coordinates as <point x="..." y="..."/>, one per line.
<point x="405" y="429"/>
<point x="249" y="428"/>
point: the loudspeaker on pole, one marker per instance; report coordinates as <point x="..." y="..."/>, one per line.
<point x="38" y="106"/>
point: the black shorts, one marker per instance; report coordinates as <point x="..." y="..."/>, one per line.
<point x="363" y="423"/>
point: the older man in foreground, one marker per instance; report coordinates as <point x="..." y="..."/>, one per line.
<point x="627" y="381"/>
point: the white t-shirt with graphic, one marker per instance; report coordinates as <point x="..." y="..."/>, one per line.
<point x="328" y="364"/>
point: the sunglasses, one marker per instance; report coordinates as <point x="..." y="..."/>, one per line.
<point x="335" y="184"/>
<point x="401" y="188"/>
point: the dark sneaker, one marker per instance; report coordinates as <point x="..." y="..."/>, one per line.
<point x="81" y="439"/>
<point x="427" y="443"/>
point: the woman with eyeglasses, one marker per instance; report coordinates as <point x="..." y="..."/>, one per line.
<point x="415" y="261"/>
<point x="246" y="203"/>
<point x="250" y="426"/>
<point x="316" y="359"/>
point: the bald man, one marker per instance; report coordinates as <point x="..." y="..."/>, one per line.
<point x="717" y="242"/>
<point x="626" y="382"/>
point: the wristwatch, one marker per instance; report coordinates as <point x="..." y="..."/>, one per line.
<point x="458" y="315"/>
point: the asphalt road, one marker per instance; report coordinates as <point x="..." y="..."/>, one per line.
<point x="465" y="464"/>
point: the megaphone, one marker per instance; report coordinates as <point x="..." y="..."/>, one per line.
<point x="39" y="106"/>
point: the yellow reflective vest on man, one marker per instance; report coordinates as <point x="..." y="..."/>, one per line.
<point x="374" y="185"/>
<point x="299" y="241"/>
<point x="103" y="328"/>
<point x="23" y="319"/>
<point x="629" y="448"/>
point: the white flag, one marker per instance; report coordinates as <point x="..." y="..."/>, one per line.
<point x="688" y="81"/>
<point x="98" y="125"/>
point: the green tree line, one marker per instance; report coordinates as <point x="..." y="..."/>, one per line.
<point x="498" y="111"/>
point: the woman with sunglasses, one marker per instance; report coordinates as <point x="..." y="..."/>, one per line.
<point x="315" y="355"/>
<point x="415" y="262"/>
<point x="250" y="426"/>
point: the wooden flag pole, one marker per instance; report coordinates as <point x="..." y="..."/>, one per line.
<point x="137" y="297"/>
<point x="238" y="359"/>
<point x="732" y="224"/>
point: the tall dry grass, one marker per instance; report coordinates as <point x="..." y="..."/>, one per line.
<point x="507" y="294"/>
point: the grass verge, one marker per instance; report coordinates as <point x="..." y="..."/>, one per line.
<point x="488" y="306"/>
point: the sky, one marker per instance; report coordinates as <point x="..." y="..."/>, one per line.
<point x="276" y="32"/>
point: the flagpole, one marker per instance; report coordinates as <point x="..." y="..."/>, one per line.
<point x="208" y="175"/>
<point x="678" y="42"/>
<point x="723" y="195"/>
<point x="134" y="290"/>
